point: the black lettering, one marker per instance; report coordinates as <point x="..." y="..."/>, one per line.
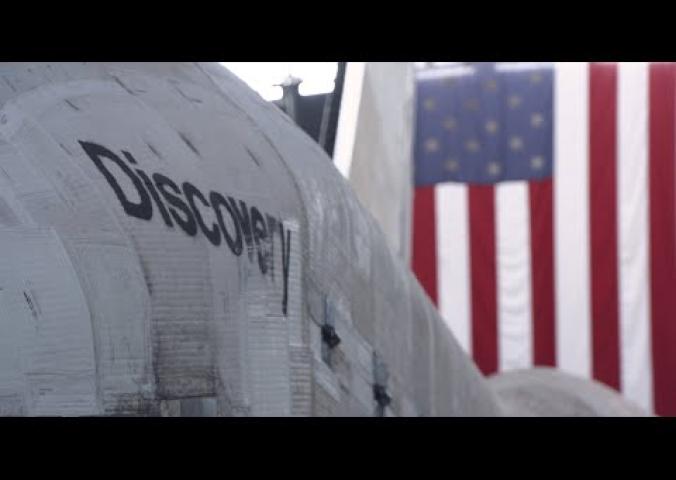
<point x="286" y="252"/>
<point x="244" y="222"/>
<point x="217" y="201"/>
<point x="260" y="234"/>
<point x="213" y="234"/>
<point x="153" y="193"/>
<point x="272" y="224"/>
<point x="143" y="209"/>
<point x="251" y="227"/>
<point x="187" y="224"/>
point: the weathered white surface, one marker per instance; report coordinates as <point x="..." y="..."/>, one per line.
<point x="173" y="245"/>
<point x="47" y="364"/>
<point x="545" y="392"/>
<point x="374" y="144"/>
<point x="182" y="244"/>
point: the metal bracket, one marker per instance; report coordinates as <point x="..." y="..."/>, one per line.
<point x="330" y="338"/>
<point x="380" y="378"/>
<point x="381" y="396"/>
<point x="329" y="335"/>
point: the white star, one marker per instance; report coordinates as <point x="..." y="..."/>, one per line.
<point x="536" y="120"/>
<point x="516" y="143"/>
<point x="535" y="78"/>
<point x="493" y="168"/>
<point x="514" y="101"/>
<point x="431" y="145"/>
<point x="491" y="85"/>
<point x="537" y="162"/>
<point x="472" y="146"/>
<point x="450" y="123"/>
<point x="472" y="104"/>
<point x="430" y="104"/>
<point x="491" y="126"/>
<point x="452" y="165"/>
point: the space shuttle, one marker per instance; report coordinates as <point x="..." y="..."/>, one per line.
<point x="173" y="245"/>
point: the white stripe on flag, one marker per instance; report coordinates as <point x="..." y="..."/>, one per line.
<point x="632" y="201"/>
<point x="571" y="217"/>
<point x="512" y="217"/>
<point x="453" y="275"/>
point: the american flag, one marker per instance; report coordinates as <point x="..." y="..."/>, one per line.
<point x="544" y="222"/>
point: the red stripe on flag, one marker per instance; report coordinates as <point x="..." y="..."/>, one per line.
<point x="541" y="197"/>
<point x="662" y="237"/>
<point x="424" y="256"/>
<point x="483" y="277"/>
<point x="603" y="223"/>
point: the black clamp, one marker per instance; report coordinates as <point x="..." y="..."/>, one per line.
<point x="329" y="335"/>
<point x="380" y="380"/>
<point x="381" y="396"/>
